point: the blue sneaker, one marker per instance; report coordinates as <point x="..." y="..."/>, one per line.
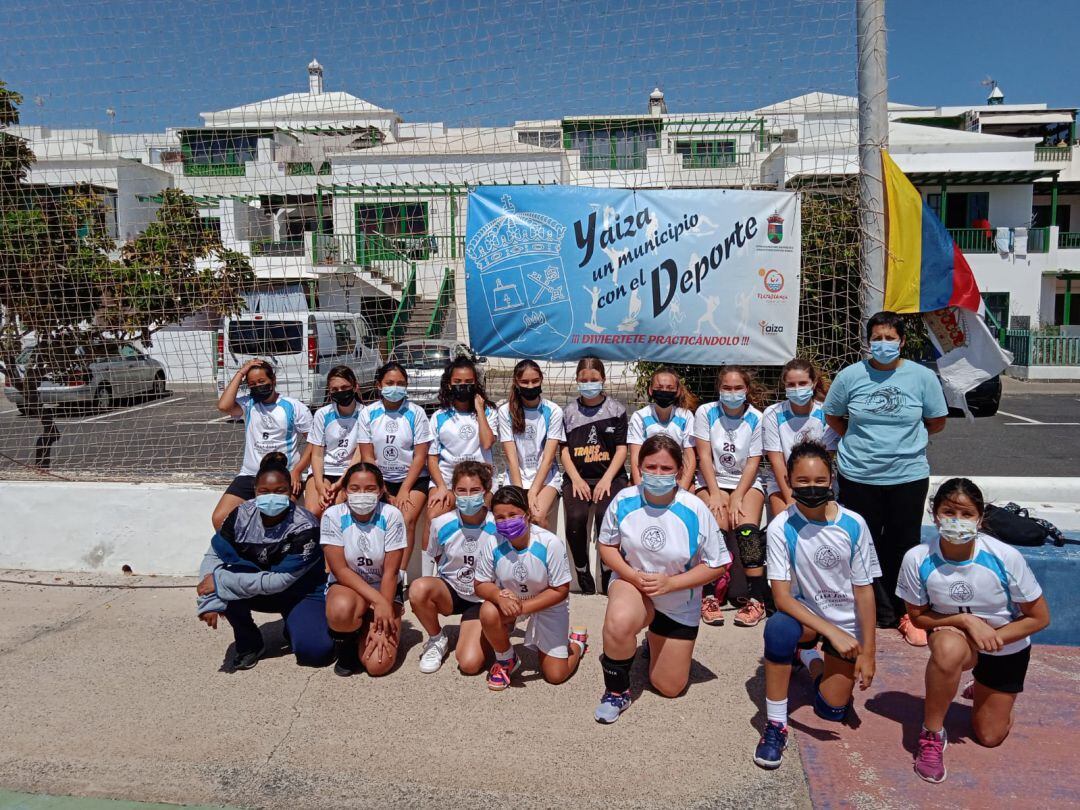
<point x="612" y="704"/>
<point x="771" y="748"/>
<point x="645" y="653"/>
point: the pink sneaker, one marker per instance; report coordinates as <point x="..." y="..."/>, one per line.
<point x="930" y="762"/>
<point x="711" y="613"/>
<point x="750" y="614"/>
<point x="912" y="634"/>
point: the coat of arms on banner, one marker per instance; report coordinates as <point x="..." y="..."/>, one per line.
<point x="775" y="233"/>
<point x="517" y="257"/>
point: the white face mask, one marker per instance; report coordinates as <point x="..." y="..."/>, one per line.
<point x="363" y="502"/>
<point x="957" y="530"/>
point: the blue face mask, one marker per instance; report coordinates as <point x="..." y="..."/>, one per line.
<point x="394" y="393"/>
<point x="272" y="504"/>
<point x="885" y="351"/>
<point x="799" y="396"/>
<point x="657" y="484"/>
<point x="590" y="390"/>
<point x="732" y="399"/>
<point x="470" y="504"/>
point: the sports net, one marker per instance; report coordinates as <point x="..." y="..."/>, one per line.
<point x="179" y="192"/>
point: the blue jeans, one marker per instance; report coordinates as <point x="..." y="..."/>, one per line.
<point x="303" y="607"/>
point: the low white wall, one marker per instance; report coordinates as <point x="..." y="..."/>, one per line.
<point x="165" y="529"/>
<point x="1044" y="373"/>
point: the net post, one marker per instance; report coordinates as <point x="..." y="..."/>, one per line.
<point x="873" y="137"/>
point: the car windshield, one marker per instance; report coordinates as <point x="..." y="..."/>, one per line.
<point x="423" y="355"/>
<point x="260" y="338"/>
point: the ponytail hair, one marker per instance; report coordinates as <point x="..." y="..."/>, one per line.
<point x="817" y="377"/>
<point x="686" y="398"/>
<point x="273" y="463"/>
<point x="517" y="409"/>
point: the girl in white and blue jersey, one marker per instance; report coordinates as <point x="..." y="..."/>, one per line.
<point x="395" y="435"/>
<point x="729" y="448"/>
<point x="363" y="540"/>
<point x="523" y="574"/>
<point x="671" y="412"/>
<point x="332" y="438"/>
<point x="799" y="418"/>
<point x="531" y="429"/>
<point x="460" y="430"/>
<point x="454" y="544"/>
<point x="980" y="603"/>
<point x="273" y="423"/>
<point x="821" y="567"/>
<point x="662" y="545"/>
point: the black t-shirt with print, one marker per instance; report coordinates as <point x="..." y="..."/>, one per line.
<point x="593" y="434"/>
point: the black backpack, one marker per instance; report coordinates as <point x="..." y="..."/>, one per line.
<point x="1011" y="524"/>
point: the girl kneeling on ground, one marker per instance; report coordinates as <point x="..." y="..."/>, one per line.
<point x="454" y="543"/>
<point x="980" y="603"/>
<point x="822" y="566"/>
<point x="523" y="573"/>
<point x="364" y="542"/>
<point x="266" y="558"/>
<point x="662" y="544"/>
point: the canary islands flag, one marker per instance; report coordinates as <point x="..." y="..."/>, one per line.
<point x="925" y="270"/>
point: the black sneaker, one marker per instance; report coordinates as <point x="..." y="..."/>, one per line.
<point x="586" y="582"/>
<point x="246" y="660"/>
<point x="348" y="658"/>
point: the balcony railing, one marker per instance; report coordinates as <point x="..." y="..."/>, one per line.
<point x="1030" y="349"/>
<point x="1053" y="154"/>
<point x="268" y="247"/>
<point x="366" y="248"/>
<point x="720" y="160"/>
<point x="982" y="240"/>
<point x="1069" y="240"/>
<point x="594" y="163"/>
<point x="192" y="169"/>
<point x="306" y="168"/>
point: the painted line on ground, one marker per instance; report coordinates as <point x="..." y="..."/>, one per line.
<point x="1018" y="416"/>
<point x="126" y="411"/>
<point x="1042" y="424"/>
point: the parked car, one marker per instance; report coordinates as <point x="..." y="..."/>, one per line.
<point x="94" y="375"/>
<point x="302" y="346"/>
<point x="982" y="400"/>
<point x="424" y="361"/>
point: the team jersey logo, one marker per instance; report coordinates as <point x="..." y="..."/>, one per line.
<point x="391" y="453"/>
<point x="469" y="544"/>
<point x="961" y="592"/>
<point x="826" y="557"/>
<point x="390" y="426"/>
<point x="521" y="573"/>
<point x="268" y="421"/>
<point x="593" y="438"/>
<point x="362" y="545"/>
<point x="465" y="574"/>
<point x="729" y="462"/>
<point x="466" y="432"/>
<point x="530" y="433"/>
<point x="653" y="538"/>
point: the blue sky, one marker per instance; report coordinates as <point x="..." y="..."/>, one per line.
<point x="159" y="63"/>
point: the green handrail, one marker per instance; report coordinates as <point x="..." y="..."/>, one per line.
<point x="403" y="313"/>
<point x="443" y="302"/>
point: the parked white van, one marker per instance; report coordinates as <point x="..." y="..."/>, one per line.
<point x="302" y="346"/>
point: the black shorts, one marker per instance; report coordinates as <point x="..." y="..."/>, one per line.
<point x="421" y="485"/>
<point x="663" y="625"/>
<point x="467" y="610"/>
<point x="243" y="486"/>
<point x="1003" y="673"/>
<point x="826" y="648"/>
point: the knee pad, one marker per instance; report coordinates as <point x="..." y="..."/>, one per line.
<point x="782" y="633"/>
<point x="616" y="673"/>
<point x="824" y="709"/>
<point x="751" y="541"/>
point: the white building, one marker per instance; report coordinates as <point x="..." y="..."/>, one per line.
<point x="342" y="200"/>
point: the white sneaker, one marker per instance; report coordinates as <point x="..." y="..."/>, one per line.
<point x="433" y="655"/>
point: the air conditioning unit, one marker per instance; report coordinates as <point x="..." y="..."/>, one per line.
<point x="789" y="136"/>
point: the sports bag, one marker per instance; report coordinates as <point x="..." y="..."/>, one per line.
<point x="1011" y="524"/>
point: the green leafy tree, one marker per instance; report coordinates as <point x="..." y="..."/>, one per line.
<point x="66" y="287"/>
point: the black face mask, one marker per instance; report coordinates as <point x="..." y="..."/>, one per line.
<point x="345" y="397"/>
<point x="463" y="392"/>
<point x="261" y="393"/>
<point x="812" y="497"/>
<point x="529" y="394"/>
<point x="665" y="399"/>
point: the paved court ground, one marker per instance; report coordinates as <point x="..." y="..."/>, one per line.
<point x="120" y="693"/>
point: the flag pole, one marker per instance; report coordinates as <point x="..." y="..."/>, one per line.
<point x="873" y="137"/>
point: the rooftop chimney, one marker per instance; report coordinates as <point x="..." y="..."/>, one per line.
<point x="315" y="78"/>
<point x="657" y="105"/>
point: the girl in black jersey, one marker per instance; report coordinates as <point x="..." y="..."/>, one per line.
<point x="594" y="459"/>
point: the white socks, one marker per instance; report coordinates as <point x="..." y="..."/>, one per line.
<point x="438" y="638"/>
<point x="505" y="655"/>
<point x="776" y="711"/>
<point x="809" y="656"/>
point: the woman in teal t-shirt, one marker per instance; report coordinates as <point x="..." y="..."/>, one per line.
<point x="884" y="410"/>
